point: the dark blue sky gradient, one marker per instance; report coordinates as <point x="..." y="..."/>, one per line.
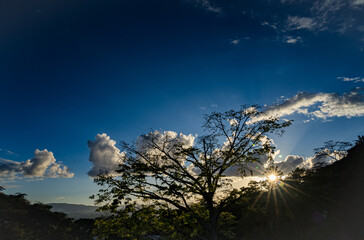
<point x="70" y="70"/>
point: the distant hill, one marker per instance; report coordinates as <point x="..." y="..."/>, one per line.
<point x="76" y="211"/>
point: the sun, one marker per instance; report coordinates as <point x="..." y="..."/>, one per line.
<point x="272" y="177"/>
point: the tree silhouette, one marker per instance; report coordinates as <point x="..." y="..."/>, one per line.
<point x="22" y="220"/>
<point x="335" y="150"/>
<point x="360" y="140"/>
<point x="163" y="170"/>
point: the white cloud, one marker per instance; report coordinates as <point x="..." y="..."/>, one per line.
<point x="291" y="162"/>
<point x="319" y="105"/>
<point x="254" y="169"/>
<point x="206" y="4"/>
<point x="104" y="156"/>
<point x="9" y="168"/>
<point x="265" y="23"/>
<point x="358" y="2"/>
<point x="293" y="40"/>
<point x="296" y="23"/>
<point x="290" y="1"/>
<point x="43" y="164"/>
<point x="325" y="15"/>
<point x="322" y="8"/>
<point x="235" y="41"/>
<point x="8" y="152"/>
<point x="351" y="79"/>
<point x="157" y="144"/>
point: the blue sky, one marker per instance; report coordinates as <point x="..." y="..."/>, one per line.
<point x="72" y="69"/>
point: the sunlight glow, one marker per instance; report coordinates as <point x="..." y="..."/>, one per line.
<point x="272" y="177"/>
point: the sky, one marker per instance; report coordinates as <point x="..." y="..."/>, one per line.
<point x="77" y="77"/>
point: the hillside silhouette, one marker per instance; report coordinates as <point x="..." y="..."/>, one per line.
<point x="322" y="203"/>
<point x="76" y="211"/>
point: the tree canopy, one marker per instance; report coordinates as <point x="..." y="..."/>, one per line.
<point x="167" y="169"/>
<point x="22" y="220"/>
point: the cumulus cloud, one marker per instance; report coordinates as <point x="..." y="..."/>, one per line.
<point x="254" y="169"/>
<point x="9" y="168"/>
<point x="291" y="162"/>
<point x="351" y="79"/>
<point x="157" y="144"/>
<point x="319" y="105"/>
<point x="293" y="40"/>
<point x="104" y="155"/>
<point x="43" y="164"/>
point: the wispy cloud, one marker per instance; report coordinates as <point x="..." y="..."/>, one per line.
<point x="206" y="4"/>
<point x="330" y="15"/>
<point x="62" y="198"/>
<point x="8" y="152"/>
<point x="265" y="23"/>
<point x="296" y="23"/>
<point x="11" y="186"/>
<point x="324" y="8"/>
<point x="43" y="164"/>
<point x="351" y="79"/>
<point x="320" y="105"/>
<point x="358" y="2"/>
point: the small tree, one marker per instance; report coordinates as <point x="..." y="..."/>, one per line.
<point x="335" y="150"/>
<point x="171" y="170"/>
<point x="360" y="140"/>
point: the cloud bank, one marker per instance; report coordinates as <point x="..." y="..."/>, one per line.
<point x="43" y="164"/>
<point x="319" y="105"/>
<point x="291" y="162"/>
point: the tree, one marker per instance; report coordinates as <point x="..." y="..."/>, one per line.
<point x="171" y="170"/>
<point x="20" y="219"/>
<point x="335" y="150"/>
<point x="360" y="140"/>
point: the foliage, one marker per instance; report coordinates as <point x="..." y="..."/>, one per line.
<point x="360" y="140"/>
<point x="324" y="202"/>
<point x="170" y="170"/>
<point x="335" y="150"/>
<point x="21" y="220"/>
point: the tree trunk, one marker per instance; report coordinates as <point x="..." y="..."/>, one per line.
<point x="213" y="224"/>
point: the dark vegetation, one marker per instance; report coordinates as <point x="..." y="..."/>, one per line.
<point x="21" y="220"/>
<point x="167" y="170"/>
<point x="326" y="202"/>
